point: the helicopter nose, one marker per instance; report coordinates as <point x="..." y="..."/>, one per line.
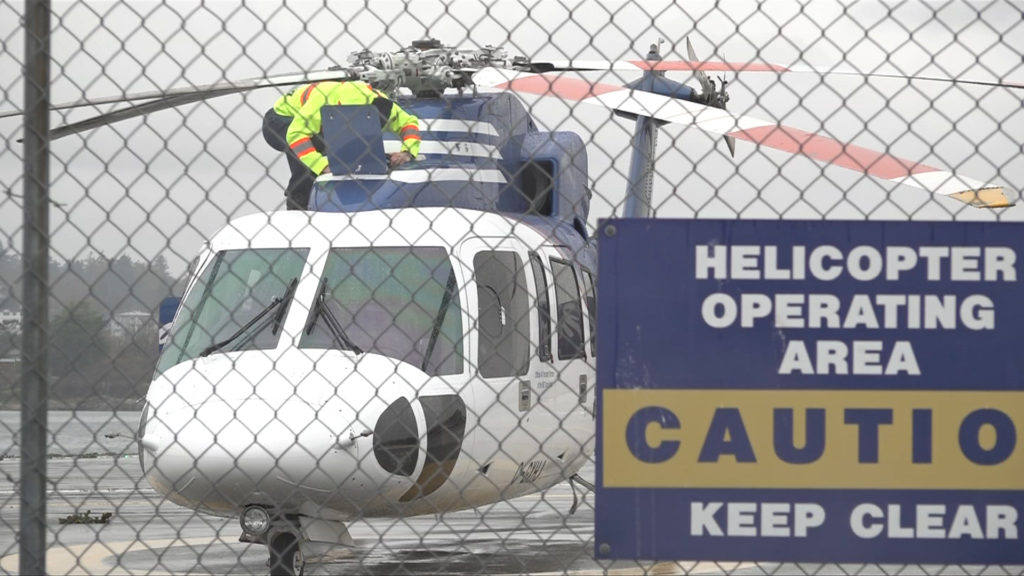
<point x="356" y="444"/>
<point x="221" y="454"/>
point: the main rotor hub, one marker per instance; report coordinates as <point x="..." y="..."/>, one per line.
<point x="426" y="68"/>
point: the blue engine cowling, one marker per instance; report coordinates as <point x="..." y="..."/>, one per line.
<point x="482" y="152"/>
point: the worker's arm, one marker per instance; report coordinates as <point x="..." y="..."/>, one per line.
<point x="407" y="128"/>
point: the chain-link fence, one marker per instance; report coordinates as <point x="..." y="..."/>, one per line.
<point x="402" y="379"/>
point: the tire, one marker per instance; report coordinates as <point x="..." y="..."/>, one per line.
<point x="286" y="556"/>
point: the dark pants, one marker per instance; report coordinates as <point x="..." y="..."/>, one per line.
<point x="275" y="130"/>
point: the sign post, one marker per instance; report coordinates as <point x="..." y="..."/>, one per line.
<point x="810" y="391"/>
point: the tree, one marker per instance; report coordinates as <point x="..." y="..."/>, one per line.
<point x="78" y="351"/>
<point x="133" y="362"/>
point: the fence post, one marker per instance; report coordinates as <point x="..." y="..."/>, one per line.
<point x="35" y="292"/>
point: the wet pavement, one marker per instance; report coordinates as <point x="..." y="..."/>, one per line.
<point x="532" y="534"/>
<point x="147" y="535"/>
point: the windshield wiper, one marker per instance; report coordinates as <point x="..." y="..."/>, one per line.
<point x="446" y="300"/>
<point x="275" y="303"/>
<point x="279" y="316"/>
<point x="333" y="324"/>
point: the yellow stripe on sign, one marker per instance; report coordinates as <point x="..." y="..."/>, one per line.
<point x="882" y="439"/>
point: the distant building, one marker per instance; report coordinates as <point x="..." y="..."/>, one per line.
<point x="10" y="321"/>
<point x="127" y="324"/>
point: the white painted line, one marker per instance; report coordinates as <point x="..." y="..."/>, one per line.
<point x="426" y="175"/>
<point x="455" y="125"/>
<point x="450" y="148"/>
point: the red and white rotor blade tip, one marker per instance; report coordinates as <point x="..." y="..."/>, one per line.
<point x="761" y="132"/>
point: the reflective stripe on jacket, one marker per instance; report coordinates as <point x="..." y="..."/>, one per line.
<point x="303" y="105"/>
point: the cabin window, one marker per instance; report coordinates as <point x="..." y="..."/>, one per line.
<point x="238" y="302"/>
<point x="588" y="285"/>
<point x="570" y="311"/>
<point x="503" y="312"/>
<point x="543" y="308"/>
<point x="400" y="302"/>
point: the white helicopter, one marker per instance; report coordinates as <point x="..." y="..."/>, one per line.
<point x="423" y="339"/>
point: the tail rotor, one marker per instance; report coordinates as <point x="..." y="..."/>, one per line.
<point x="713" y="95"/>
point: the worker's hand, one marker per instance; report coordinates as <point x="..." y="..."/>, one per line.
<point x="327" y="170"/>
<point x="396" y="159"/>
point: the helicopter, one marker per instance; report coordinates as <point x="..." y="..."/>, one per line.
<point x="421" y="340"/>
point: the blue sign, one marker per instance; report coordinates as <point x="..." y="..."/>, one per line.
<point x="809" y="391"/>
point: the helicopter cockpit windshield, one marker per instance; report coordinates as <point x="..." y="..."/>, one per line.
<point x="400" y="302"/>
<point x="237" y="303"/>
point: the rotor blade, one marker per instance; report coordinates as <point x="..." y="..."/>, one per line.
<point x="134" y="97"/>
<point x="541" y="66"/>
<point x="181" y="96"/>
<point x="802" y="69"/>
<point x="705" y="84"/>
<point x="155" y="94"/>
<point x="94" y="102"/>
<point x="763" y="133"/>
<point x="698" y="66"/>
<point x="133" y="112"/>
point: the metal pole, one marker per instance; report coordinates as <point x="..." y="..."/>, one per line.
<point x="35" y="291"/>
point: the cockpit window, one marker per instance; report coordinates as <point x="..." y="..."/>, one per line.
<point x="400" y="302"/>
<point x="238" y="303"/>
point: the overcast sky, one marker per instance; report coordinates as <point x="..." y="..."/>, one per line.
<point x="163" y="184"/>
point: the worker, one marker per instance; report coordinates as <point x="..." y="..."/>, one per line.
<point x="292" y="126"/>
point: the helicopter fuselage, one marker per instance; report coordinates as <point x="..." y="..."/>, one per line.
<point x="406" y="361"/>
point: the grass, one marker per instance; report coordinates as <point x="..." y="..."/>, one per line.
<point x="87" y="518"/>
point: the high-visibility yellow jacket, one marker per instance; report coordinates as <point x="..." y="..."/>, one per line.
<point x="303" y="105"/>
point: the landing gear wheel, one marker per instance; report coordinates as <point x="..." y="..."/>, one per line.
<point x="286" y="556"/>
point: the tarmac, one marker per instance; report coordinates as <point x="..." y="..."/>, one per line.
<point x="146" y="535"/>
